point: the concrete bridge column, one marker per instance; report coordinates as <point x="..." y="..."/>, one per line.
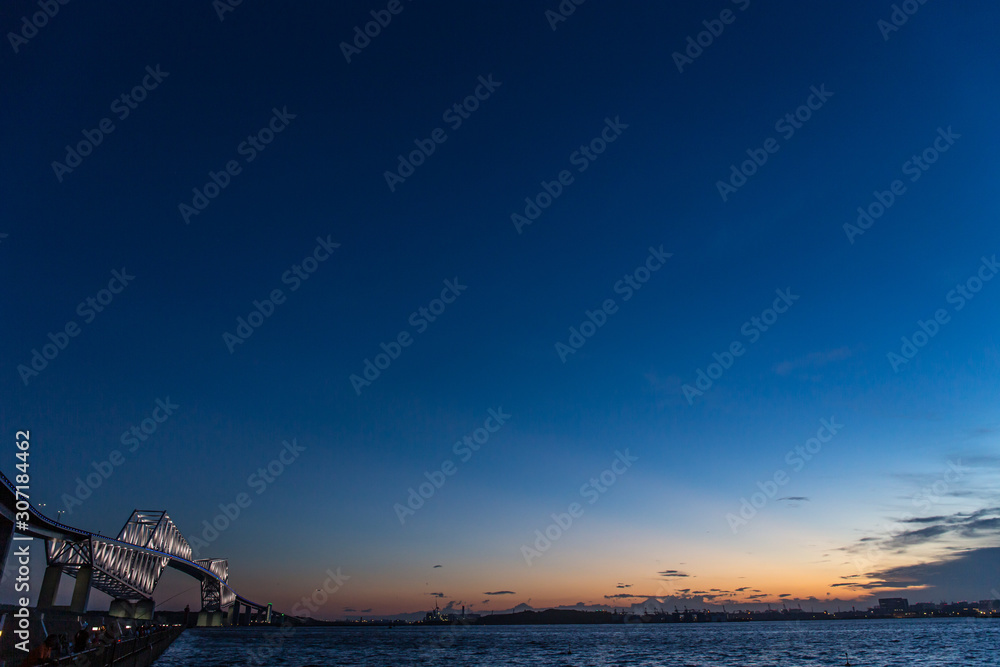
<point x="144" y="610"/>
<point x="234" y="613"/>
<point x="81" y="590"/>
<point x="209" y="619"/>
<point x="121" y="609"/>
<point x="50" y="586"/>
<point x="245" y="617"/>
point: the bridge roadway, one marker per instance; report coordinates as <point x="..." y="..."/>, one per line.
<point x="117" y="584"/>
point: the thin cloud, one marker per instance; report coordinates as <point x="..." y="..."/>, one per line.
<point x="909" y="538"/>
<point x="981" y="523"/>
<point x="881" y="584"/>
<point x="813" y="360"/>
<point x="499" y="593"/>
<point x="923" y="519"/>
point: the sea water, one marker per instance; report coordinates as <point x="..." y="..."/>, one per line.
<point x="908" y="642"/>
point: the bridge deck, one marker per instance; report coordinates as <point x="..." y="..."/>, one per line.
<point x="43" y="527"/>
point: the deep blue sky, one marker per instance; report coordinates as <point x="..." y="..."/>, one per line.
<point x="495" y="346"/>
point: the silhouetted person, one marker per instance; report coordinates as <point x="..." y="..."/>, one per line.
<point x="108" y="636"/>
<point x="42" y="654"/>
<point x="81" y="640"/>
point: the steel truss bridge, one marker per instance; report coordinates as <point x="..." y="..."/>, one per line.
<point x="126" y="567"/>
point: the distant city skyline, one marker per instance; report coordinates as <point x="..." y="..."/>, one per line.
<point x="897" y="607"/>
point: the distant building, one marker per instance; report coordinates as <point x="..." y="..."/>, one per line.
<point x="963" y="608"/>
<point x="893" y="605"/>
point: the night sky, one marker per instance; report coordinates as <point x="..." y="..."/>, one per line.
<point x="714" y="313"/>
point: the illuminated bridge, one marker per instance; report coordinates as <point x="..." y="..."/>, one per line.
<point x="126" y="567"/>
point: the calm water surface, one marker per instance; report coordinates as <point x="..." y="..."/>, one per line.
<point x="901" y="642"/>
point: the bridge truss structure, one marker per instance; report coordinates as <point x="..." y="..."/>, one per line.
<point x="127" y="567"/>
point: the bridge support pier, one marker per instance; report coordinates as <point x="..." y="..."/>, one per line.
<point x="121" y="609"/>
<point x="232" y="618"/>
<point x="144" y="610"/>
<point x="81" y="590"/>
<point x="245" y="617"/>
<point x="50" y="586"/>
<point x="209" y="619"/>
